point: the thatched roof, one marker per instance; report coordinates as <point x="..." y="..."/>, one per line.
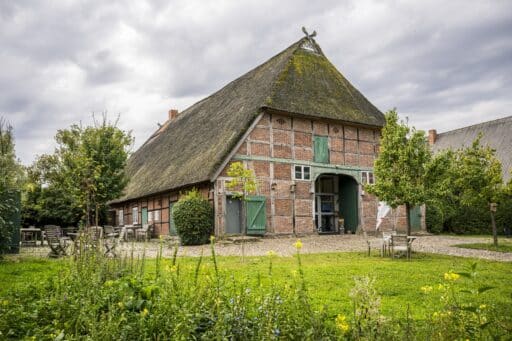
<point x="299" y="80"/>
<point x="497" y="134"/>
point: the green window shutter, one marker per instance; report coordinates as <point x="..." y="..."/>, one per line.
<point x="144" y="215"/>
<point x="321" y="147"/>
<point x="172" y="225"/>
<point x="256" y="215"/>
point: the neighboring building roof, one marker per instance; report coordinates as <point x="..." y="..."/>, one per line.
<point x="497" y="134"/>
<point x="299" y="80"/>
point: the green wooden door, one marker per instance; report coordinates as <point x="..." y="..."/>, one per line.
<point x="256" y="215"/>
<point x="321" y="149"/>
<point x="172" y="225"/>
<point x="144" y="215"/>
<point x="348" y="203"/>
<point x="415" y="217"/>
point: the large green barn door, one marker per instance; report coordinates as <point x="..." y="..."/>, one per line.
<point x="256" y="215"/>
<point x="144" y="215"/>
<point x="348" y="202"/>
<point x="415" y="218"/>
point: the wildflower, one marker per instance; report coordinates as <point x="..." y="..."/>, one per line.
<point x="440" y="287"/>
<point x="145" y="312"/>
<point x="341" y="323"/>
<point x="426" y="289"/>
<point x="271" y="253"/>
<point x="5" y="302"/>
<point x="451" y="276"/>
<point x="482" y="306"/>
<point x="298" y="244"/>
<point x="212" y="239"/>
<point x="120" y="305"/>
<point x="161" y="237"/>
<point x="173" y="268"/>
<point x="108" y="283"/>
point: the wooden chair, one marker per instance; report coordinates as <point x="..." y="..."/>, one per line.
<point x="56" y="241"/>
<point x="143" y="233"/>
<point x="400" y="243"/>
<point x="111" y="239"/>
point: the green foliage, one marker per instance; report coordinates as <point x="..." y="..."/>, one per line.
<point x="10" y="178"/>
<point x="401" y="168"/>
<point x="193" y="216"/>
<point x="243" y="180"/>
<point x="86" y="171"/>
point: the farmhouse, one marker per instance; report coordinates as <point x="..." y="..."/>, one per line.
<point x="308" y="134"/>
<point x="496" y="134"/>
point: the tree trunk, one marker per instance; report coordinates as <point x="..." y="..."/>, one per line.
<point x="408" y="219"/>
<point x="494" y="230"/>
<point x="96" y="216"/>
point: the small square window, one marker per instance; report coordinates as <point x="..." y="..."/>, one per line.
<point x="367" y="178"/>
<point x="302" y="173"/>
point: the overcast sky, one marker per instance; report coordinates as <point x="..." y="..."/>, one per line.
<point x="443" y="64"/>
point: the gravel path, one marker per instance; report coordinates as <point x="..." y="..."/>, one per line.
<point x="311" y="244"/>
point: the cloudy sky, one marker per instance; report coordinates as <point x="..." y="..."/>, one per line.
<point x="443" y="64"/>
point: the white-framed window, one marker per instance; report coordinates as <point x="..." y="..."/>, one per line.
<point x="302" y="172"/>
<point x="135" y="215"/>
<point x="367" y="177"/>
<point x="157" y="215"/>
<point x="150" y="216"/>
<point x="120" y="217"/>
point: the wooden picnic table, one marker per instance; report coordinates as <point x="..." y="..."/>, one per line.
<point x="29" y="236"/>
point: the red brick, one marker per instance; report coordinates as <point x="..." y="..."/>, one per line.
<point x="283" y="207"/>
<point x="366" y="148"/>
<point x="302" y="190"/>
<point x="366" y="160"/>
<point x="303" y="125"/>
<point x="302" y="139"/>
<point x="243" y="149"/>
<point x="350" y="132"/>
<point x="260" y="149"/>
<point x="350" y="146"/>
<point x="261" y="168"/>
<point x="281" y="122"/>
<point x="337" y="158"/>
<point x="282" y="189"/>
<point x="282" y="152"/>
<point x="337" y="144"/>
<point x="305" y="154"/>
<point x="304" y="225"/>
<point x="320" y="128"/>
<point x="264" y="121"/>
<point x="366" y="135"/>
<point x="335" y="130"/>
<point x="351" y="159"/>
<point x="282" y="136"/>
<point x="263" y="188"/>
<point x="260" y="134"/>
<point x="282" y="171"/>
<point x="303" y="207"/>
<point x="283" y="224"/>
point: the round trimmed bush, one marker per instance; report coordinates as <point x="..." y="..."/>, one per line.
<point x="193" y="216"/>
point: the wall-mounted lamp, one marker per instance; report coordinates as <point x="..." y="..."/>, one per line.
<point x="273" y="186"/>
<point x="292" y="188"/>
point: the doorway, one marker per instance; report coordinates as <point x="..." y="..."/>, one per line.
<point x="233" y="216"/>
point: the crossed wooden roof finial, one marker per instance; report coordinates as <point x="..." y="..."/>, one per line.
<point x="308" y="36"/>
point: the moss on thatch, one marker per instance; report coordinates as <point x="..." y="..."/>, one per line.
<point x="191" y="149"/>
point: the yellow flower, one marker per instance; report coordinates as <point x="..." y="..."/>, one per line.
<point x="108" y="283"/>
<point x="482" y="306"/>
<point x="298" y="244"/>
<point x="5" y="302"/>
<point x="341" y="323"/>
<point x="212" y="239"/>
<point x="451" y="276"/>
<point x="426" y="289"/>
<point x="145" y="312"/>
<point x="271" y="253"/>
<point x="120" y="305"/>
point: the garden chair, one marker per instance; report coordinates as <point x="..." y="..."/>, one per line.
<point x="386" y="243"/>
<point x="400" y="243"/>
<point x="143" y="233"/>
<point x="111" y="239"/>
<point x="56" y="241"/>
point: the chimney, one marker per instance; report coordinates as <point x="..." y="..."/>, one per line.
<point x="173" y="113"/>
<point x="432" y="136"/>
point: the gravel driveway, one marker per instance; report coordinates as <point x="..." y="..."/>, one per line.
<point x="311" y="244"/>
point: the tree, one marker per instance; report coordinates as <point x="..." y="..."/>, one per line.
<point x="10" y="178"/>
<point x="242" y="184"/>
<point x="477" y="178"/>
<point x="92" y="164"/>
<point x="401" y="169"/>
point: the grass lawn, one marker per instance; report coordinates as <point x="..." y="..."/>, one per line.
<point x="329" y="277"/>
<point x="503" y="246"/>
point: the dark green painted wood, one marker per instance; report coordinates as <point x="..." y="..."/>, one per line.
<point x="256" y="215"/>
<point x="348" y="202"/>
<point x="144" y="215"/>
<point x="415" y="217"/>
<point x="233" y="216"/>
<point x="172" y="225"/>
<point x="321" y="149"/>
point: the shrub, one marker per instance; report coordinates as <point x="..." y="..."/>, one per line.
<point x="434" y="219"/>
<point x="193" y="216"/>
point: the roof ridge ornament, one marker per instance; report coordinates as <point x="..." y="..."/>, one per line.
<point x="309" y="44"/>
<point x="308" y="36"/>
